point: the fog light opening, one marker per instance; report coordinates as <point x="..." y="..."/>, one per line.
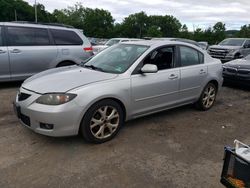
<point x="46" y="126"/>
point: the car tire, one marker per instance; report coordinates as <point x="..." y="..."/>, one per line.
<point x="237" y="56"/>
<point x="207" y="98"/>
<point x="102" y="121"/>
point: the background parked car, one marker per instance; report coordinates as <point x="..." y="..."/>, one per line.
<point x="26" y="49"/>
<point x="237" y="71"/>
<point x="181" y="40"/>
<point x="231" y="48"/>
<point x="111" y="42"/>
<point x="204" y="45"/>
<point x="130" y="80"/>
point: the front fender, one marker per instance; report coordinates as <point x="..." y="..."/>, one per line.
<point x="92" y="93"/>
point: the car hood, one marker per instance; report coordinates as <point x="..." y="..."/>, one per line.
<point x="239" y="63"/>
<point x="64" y="79"/>
<point x="225" y="47"/>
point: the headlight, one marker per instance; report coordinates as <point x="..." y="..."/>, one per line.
<point x="55" y="98"/>
<point x="231" y="51"/>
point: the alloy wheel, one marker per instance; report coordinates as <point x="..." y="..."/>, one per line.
<point x="104" y="122"/>
<point x="209" y="96"/>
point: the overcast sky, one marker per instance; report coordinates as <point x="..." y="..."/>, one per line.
<point x="194" y="13"/>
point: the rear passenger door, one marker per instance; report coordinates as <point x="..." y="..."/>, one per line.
<point x="30" y="51"/>
<point x="193" y="73"/>
<point x="4" y="58"/>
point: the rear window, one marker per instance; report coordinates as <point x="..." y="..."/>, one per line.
<point x="190" y="56"/>
<point x="65" y="37"/>
<point x="26" y="36"/>
<point x="1" y="38"/>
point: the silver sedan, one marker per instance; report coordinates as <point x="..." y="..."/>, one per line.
<point x="123" y="82"/>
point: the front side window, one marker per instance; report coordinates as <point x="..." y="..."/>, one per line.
<point x="163" y="58"/>
<point x="190" y="56"/>
<point x="1" y="38"/>
<point x="247" y="44"/>
<point x="116" y="59"/>
<point x="25" y="36"/>
<point x="66" y="37"/>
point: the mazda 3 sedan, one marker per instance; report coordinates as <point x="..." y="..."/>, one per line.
<point x="126" y="81"/>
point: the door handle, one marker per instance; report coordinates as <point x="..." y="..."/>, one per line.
<point x="2" y="52"/>
<point x="173" y="76"/>
<point x="15" y="51"/>
<point x="202" y="71"/>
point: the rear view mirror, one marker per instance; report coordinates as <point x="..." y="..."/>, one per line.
<point x="149" y="68"/>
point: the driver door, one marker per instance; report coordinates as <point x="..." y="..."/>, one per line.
<point x="155" y="91"/>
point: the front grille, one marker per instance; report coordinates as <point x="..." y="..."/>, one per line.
<point x="25" y="119"/>
<point x="23" y="96"/>
<point x="244" y="71"/>
<point x="218" y="53"/>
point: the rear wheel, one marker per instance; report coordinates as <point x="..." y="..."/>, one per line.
<point x="102" y="121"/>
<point x="207" y="98"/>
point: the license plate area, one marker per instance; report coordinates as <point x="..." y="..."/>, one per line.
<point x="25" y="119"/>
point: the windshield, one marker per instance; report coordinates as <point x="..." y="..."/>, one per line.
<point x="232" y="42"/>
<point x="116" y="59"/>
<point x="112" y="42"/>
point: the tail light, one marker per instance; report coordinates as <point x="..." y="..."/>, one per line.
<point x="88" y="49"/>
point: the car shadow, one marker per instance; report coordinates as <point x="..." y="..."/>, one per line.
<point x="8" y="85"/>
<point x="78" y="140"/>
<point x="236" y="86"/>
<point x="159" y="115"/>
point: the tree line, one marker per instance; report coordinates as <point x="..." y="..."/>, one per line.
<point x="100" y="23"/>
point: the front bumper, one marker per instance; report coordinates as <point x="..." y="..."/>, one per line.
<point x="65" y="118"/>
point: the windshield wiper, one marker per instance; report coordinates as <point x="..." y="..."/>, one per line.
<point x="93" y="67"/>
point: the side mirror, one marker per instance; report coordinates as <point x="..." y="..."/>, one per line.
<point x="246" y="46"/>
<point x="149" y="68"/>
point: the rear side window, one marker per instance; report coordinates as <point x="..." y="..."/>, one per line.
<point x="25" y="36"/>
<point x="65" y="37"/>
<point x="1" y="37"/>
<point x="190" y="56"/>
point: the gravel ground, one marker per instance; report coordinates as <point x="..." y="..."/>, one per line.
<point x="176" y="148"/>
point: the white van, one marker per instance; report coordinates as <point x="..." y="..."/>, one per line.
<point x="28" y="48"/>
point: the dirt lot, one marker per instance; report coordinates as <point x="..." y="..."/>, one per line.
<point x="177" y="148"/>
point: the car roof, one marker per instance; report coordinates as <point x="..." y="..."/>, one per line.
<point x="124" y="39"/>
<point x="163" y="38"/>
<point x="38" y="25"/>
<point x="238" y="38"/>
<point x="156" y="43"/>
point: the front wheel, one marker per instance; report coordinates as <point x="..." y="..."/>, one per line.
<point x="102" y="121"/>
<point x="207" y="98"/>
<point x="237" y="56"/>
